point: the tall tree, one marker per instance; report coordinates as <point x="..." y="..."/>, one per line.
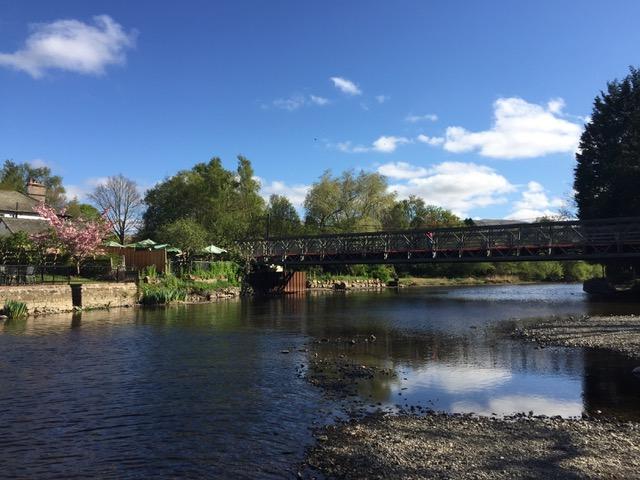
<point x="225" y="203"/>
<point x="347" y="203"/>
<point x="414" y="213"/>
<point x="14" y="176"/>
<point x="282" y="216"/>
<point x="186" y="234"/>
<point x="122" y="203"/>
<point x="607" y="173"/>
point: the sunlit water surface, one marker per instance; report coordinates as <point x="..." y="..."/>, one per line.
<point x="204" y="391"/>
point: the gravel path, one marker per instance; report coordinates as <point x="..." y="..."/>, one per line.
<point x="464" y="447"/>
<point x="618" y="333"/>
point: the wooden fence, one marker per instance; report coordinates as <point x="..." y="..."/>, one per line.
<point x="139" y="259"/>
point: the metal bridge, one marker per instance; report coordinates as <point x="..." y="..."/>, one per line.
<point x="605" y="239"/>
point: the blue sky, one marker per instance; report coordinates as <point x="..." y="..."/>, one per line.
<point x="475" y="106"/>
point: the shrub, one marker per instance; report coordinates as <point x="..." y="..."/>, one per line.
<point x="14" y="309"/>
<point x="162" y="294"/>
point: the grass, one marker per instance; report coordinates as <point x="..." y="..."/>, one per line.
<point x="13" y="309"/>
<point x="444" y="281"/>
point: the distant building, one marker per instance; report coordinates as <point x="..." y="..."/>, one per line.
<point x="16" y="210"/>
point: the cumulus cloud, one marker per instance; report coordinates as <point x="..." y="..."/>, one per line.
<point x="401" y="170"/>
<point x="534" y="204"/>
<point x="429" y="117"/>
<point x="383" y="144"/>
<point x="457" y="186"/>
<point x="458" y="380"/>
<point x="295" y="193"/>
<point x="296" y="101"/>
<point x="520" y="130"/>
<point x="71" y="45"/>
<point x="433" y="141"/>
<point x="346" y="86"/>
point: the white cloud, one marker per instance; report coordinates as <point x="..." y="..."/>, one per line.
<point x="383" y="144"/>
<point x="318" y="100"/>
<point x="457" y="380"/>
<point x="535" y="204"/>
<point x="346" y="86"/>
<point x="38" y="163"/>
<point x="430" y="117"/>
<point x="457" y="186"/>
<point x="81" y="191"/>
<point x="71" y="45"/>
<point x="295" y="193"/>
<point x="382" y="98"/>
<point x="401" y="170"/>
<point x="520" y="130"/>
<point x="433" y="141"/>
<point x="511" y="404"/>
<point x="297" y="100"/>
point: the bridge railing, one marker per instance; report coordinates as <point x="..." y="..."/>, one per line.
<point x="523" y="241"/>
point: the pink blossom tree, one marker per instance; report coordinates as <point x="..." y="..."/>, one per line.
<point x="81" y="239"/>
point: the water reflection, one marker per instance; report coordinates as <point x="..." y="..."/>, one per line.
<point x="205" y="390"/>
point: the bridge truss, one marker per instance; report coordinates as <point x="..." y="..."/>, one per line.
<point x="615" y="238"/>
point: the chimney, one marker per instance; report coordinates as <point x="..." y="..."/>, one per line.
<point x="36" y="190"/>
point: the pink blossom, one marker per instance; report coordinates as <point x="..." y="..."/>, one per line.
<point x="80" y="238"/>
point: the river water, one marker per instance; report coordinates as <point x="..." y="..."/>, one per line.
<point x="204" y="391"/>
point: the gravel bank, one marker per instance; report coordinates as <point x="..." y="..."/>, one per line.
<point x="618" y="333"/>
<point x="464" y="447"/>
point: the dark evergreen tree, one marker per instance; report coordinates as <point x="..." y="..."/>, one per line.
<point x="607" y="176"/>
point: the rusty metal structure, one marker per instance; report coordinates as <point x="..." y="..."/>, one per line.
<point x="606" y="239"/>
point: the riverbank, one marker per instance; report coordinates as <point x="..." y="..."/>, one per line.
<point x="466" y="447"/>
<point x="363" y="283"/>
<point x="620" y="333"/>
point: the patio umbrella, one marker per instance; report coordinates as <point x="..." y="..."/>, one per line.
<point x="212" y="249"/>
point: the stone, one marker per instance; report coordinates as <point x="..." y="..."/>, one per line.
<point x="636" y="371"/>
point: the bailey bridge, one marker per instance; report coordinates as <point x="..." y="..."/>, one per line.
<point x="599" y="240"/>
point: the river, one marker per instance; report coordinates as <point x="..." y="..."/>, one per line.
<point x="205" y="391"/>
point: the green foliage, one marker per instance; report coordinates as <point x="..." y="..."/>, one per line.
<point x="282" y="217"/>
<point x="162" y="294"/>
<point x="14" y="176"/>
<point x="225" y="271"/>
<point x="607" y="174"/>
<point x="186" y="234"/>
<point x="84" y="211"/>
<point x="226" y="204"/>
<point x="414" y="213"/>
<point x="14" y="309"/>
<point x="347" y="203"/>
<point x="18" y="248"/>
<point x="149" y="271"/>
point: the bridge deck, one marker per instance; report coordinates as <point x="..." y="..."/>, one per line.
<point x="567" y="240"/>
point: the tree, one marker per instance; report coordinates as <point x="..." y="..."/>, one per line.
<point x="75" y="209"/>
<point x="347" y="203"/>
<point x="80" y="238"/>
<point x="607" y="173"/>
<point x="282" y="217"/>
<point x="186" y="234"/>
<point x="414" y="213"/>
<point x="122" y="203"/>
<point x="225" y="203"/>
<point x="14" y="176"/>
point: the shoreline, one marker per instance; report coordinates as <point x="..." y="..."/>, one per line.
<point x="460" y="446"/>
<point x="617" y="333"/>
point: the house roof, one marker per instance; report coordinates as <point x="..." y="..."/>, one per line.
<point x="12" y="201"/>
<point x="27" y="225"/>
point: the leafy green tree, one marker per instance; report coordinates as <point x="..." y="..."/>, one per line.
<point x="414" y="213"/>
<point x="226" y="204"/>
<point x="186" y="234"/>
<point x="76" y="209"/>
<point x="607" y="173"/>
<point x="282" y="217"/>
<point x="347" y="203"/>
<point x="14" y="176"/>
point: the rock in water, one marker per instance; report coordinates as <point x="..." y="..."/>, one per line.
<point x="636" y="371"/>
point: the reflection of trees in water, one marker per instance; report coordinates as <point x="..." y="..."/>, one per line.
<point x="609" y="385"/>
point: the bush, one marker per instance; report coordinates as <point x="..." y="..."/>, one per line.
<point x="162" y="294"/>
<point x="13" y="309"/>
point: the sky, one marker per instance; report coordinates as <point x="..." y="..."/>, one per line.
<point x="474" y="106"/>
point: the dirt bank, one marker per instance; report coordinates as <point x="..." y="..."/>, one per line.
<point x="463" y="447"/>
<point x="618" y="333"/>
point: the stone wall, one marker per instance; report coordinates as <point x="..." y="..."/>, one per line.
<point x="370" y="284"/>
<point x="41" y="299"/>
